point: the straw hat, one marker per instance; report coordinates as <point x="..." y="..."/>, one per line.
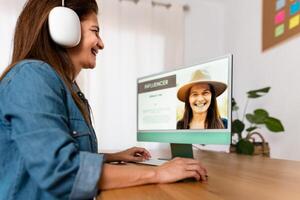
<point x="200" y="76"/>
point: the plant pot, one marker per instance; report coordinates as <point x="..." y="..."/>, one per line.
<point x="260" y="148"/>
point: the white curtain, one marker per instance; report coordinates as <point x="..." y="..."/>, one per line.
<point x="9" y="12"/>
<point x="140" y="39"/>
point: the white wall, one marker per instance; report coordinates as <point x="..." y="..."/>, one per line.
<point x="204" y="32"/>
<point x="241" y="32"/>
<point x="9" y="12"/>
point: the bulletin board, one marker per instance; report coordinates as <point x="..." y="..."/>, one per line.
<point x="281" y="21"/>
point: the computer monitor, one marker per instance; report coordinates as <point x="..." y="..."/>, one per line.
<point x="190" y="105"/>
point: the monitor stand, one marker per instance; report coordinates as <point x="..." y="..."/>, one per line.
<point x="181" y="150"/>
<point x="185" y="151"/>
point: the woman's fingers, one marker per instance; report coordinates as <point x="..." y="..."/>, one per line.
<point x="138" y="151"/>
<point x="199" y="170"/>
<point x="137" y="159"/>
<point x="191" y="166"/>
<point x="193" y="174"/>
<point x="190" y="161"/>
<point x="134" y="154"/>
<point x="178" y="169"/>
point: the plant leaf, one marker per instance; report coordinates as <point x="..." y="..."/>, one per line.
<point x="260" y="116"/>
<point x="262" y="90"/>
<point x="245" y="147"/>
<point x="233" y="102"/>
<point x="261" y="112"/>
<point x="250" y="117"/>
<point x="253" y="95"/>
<point x="252" y="128"/>
<point x="258" y="93"/>
<point x="274" y="124"/>
<point x="237" y="126"/>
<point x="234" y="105"/>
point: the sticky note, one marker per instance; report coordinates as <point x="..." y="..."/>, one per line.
<point x="279" y="17"/>
<point x="294" y="8"/>
<point x="279" y="30"/>
<point x="294" y="21"/>
<point x="280" y="4"/>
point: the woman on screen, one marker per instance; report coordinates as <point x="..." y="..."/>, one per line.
<point x="48" y="146"/>
<point x="201" y="109"/>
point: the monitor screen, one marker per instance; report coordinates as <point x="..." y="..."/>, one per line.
<point x="189" y="105"/>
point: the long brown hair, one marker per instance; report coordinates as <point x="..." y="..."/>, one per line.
<point x="213" y="119"/>
<point x="32" y="40"/>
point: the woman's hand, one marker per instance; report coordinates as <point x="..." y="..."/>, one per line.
<point x="180" y="168"/>
<point x="134" y="154"/>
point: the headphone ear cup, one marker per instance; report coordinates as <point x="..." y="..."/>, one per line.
<point x="64" y="26"/>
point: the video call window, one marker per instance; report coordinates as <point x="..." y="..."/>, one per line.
<point x="190" y="98"/>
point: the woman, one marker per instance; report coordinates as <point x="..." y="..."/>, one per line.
<point x="48" y="146"/>
<point x="201" y="108"/>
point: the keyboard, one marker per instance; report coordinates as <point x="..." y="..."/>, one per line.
<point x="154" y="162"/>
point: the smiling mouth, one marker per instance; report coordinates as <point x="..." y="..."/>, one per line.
<point x="199" y="105"/>
<point x="94" y="51"/>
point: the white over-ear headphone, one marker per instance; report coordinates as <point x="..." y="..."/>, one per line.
<point x="64" y="26"/>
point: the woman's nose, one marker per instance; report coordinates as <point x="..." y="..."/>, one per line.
<point x="200" y="98"/>
<point x="100" y="44"/>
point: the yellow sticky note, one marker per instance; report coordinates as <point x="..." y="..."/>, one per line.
<point x="294" y="21"/>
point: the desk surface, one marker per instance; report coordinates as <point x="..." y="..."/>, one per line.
<point x="231" y="176"/>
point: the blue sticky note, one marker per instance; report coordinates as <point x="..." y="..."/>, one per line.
<point x="280" y="4"/>
<point x="295" y="7"/>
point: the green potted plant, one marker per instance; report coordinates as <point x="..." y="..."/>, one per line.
<point x="243" y="134"/>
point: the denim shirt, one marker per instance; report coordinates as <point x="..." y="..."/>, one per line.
<point x="47" y="150"/>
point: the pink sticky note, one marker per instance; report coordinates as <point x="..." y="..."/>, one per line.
<point x="279" y="17"/>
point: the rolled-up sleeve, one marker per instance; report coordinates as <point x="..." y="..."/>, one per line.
<point x="88" y="175"/>
<point x="34" y="105"/>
